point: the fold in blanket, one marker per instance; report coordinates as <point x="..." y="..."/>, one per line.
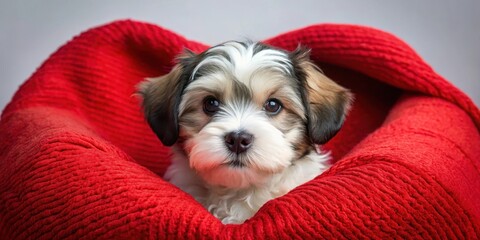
<point x="78" y="160"/>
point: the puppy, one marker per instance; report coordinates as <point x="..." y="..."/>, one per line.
<point x="244" y="120"/>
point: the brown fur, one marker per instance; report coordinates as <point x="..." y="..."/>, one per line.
<point x="328" y="102"/>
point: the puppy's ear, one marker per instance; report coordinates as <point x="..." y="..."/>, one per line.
<point x="161" y="98"/>
<point x="327" y="103"/>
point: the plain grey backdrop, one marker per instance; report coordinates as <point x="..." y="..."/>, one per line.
<point x="446" y="33"/>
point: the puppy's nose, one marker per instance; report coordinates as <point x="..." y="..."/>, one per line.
<point x="238" y="142"/>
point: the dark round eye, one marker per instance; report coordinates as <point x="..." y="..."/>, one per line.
<point x="272" y="106"/>
<point x="210" y="105"/>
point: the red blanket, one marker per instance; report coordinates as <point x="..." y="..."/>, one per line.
<point x="78" y="160"/>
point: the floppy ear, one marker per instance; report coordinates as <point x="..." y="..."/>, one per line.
<point x="161" y="98"/>
<point x="327" y="103"/>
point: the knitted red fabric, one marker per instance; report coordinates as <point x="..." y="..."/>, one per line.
<point x="77" y="159"/>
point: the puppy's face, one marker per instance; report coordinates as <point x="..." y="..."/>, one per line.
<point x="244" y="111"/>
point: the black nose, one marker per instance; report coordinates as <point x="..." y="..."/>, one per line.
<point x="238" y="142"/>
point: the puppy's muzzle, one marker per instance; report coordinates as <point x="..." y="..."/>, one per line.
<point x="238" y="141"/>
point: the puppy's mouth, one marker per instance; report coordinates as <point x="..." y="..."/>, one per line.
<point x="236" y="162"/>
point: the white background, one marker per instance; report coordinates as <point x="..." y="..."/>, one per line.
<point x="445" y="33"/>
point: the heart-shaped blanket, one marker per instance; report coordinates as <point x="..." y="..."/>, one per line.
<point x="78" y="160"/>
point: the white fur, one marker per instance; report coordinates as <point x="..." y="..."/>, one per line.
<point x="209" y="156"/>
<point x="243" y="62"/>
<point x="201" y="168"/>
<point x="233" y="205"/>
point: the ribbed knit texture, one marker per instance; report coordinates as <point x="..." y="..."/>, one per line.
<point x="78" y="160"/>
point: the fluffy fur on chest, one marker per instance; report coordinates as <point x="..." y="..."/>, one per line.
<point x="232" y="205"/>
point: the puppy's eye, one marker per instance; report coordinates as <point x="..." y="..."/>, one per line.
<point x="272" y="106"/>
<point x="210" y="105"/>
